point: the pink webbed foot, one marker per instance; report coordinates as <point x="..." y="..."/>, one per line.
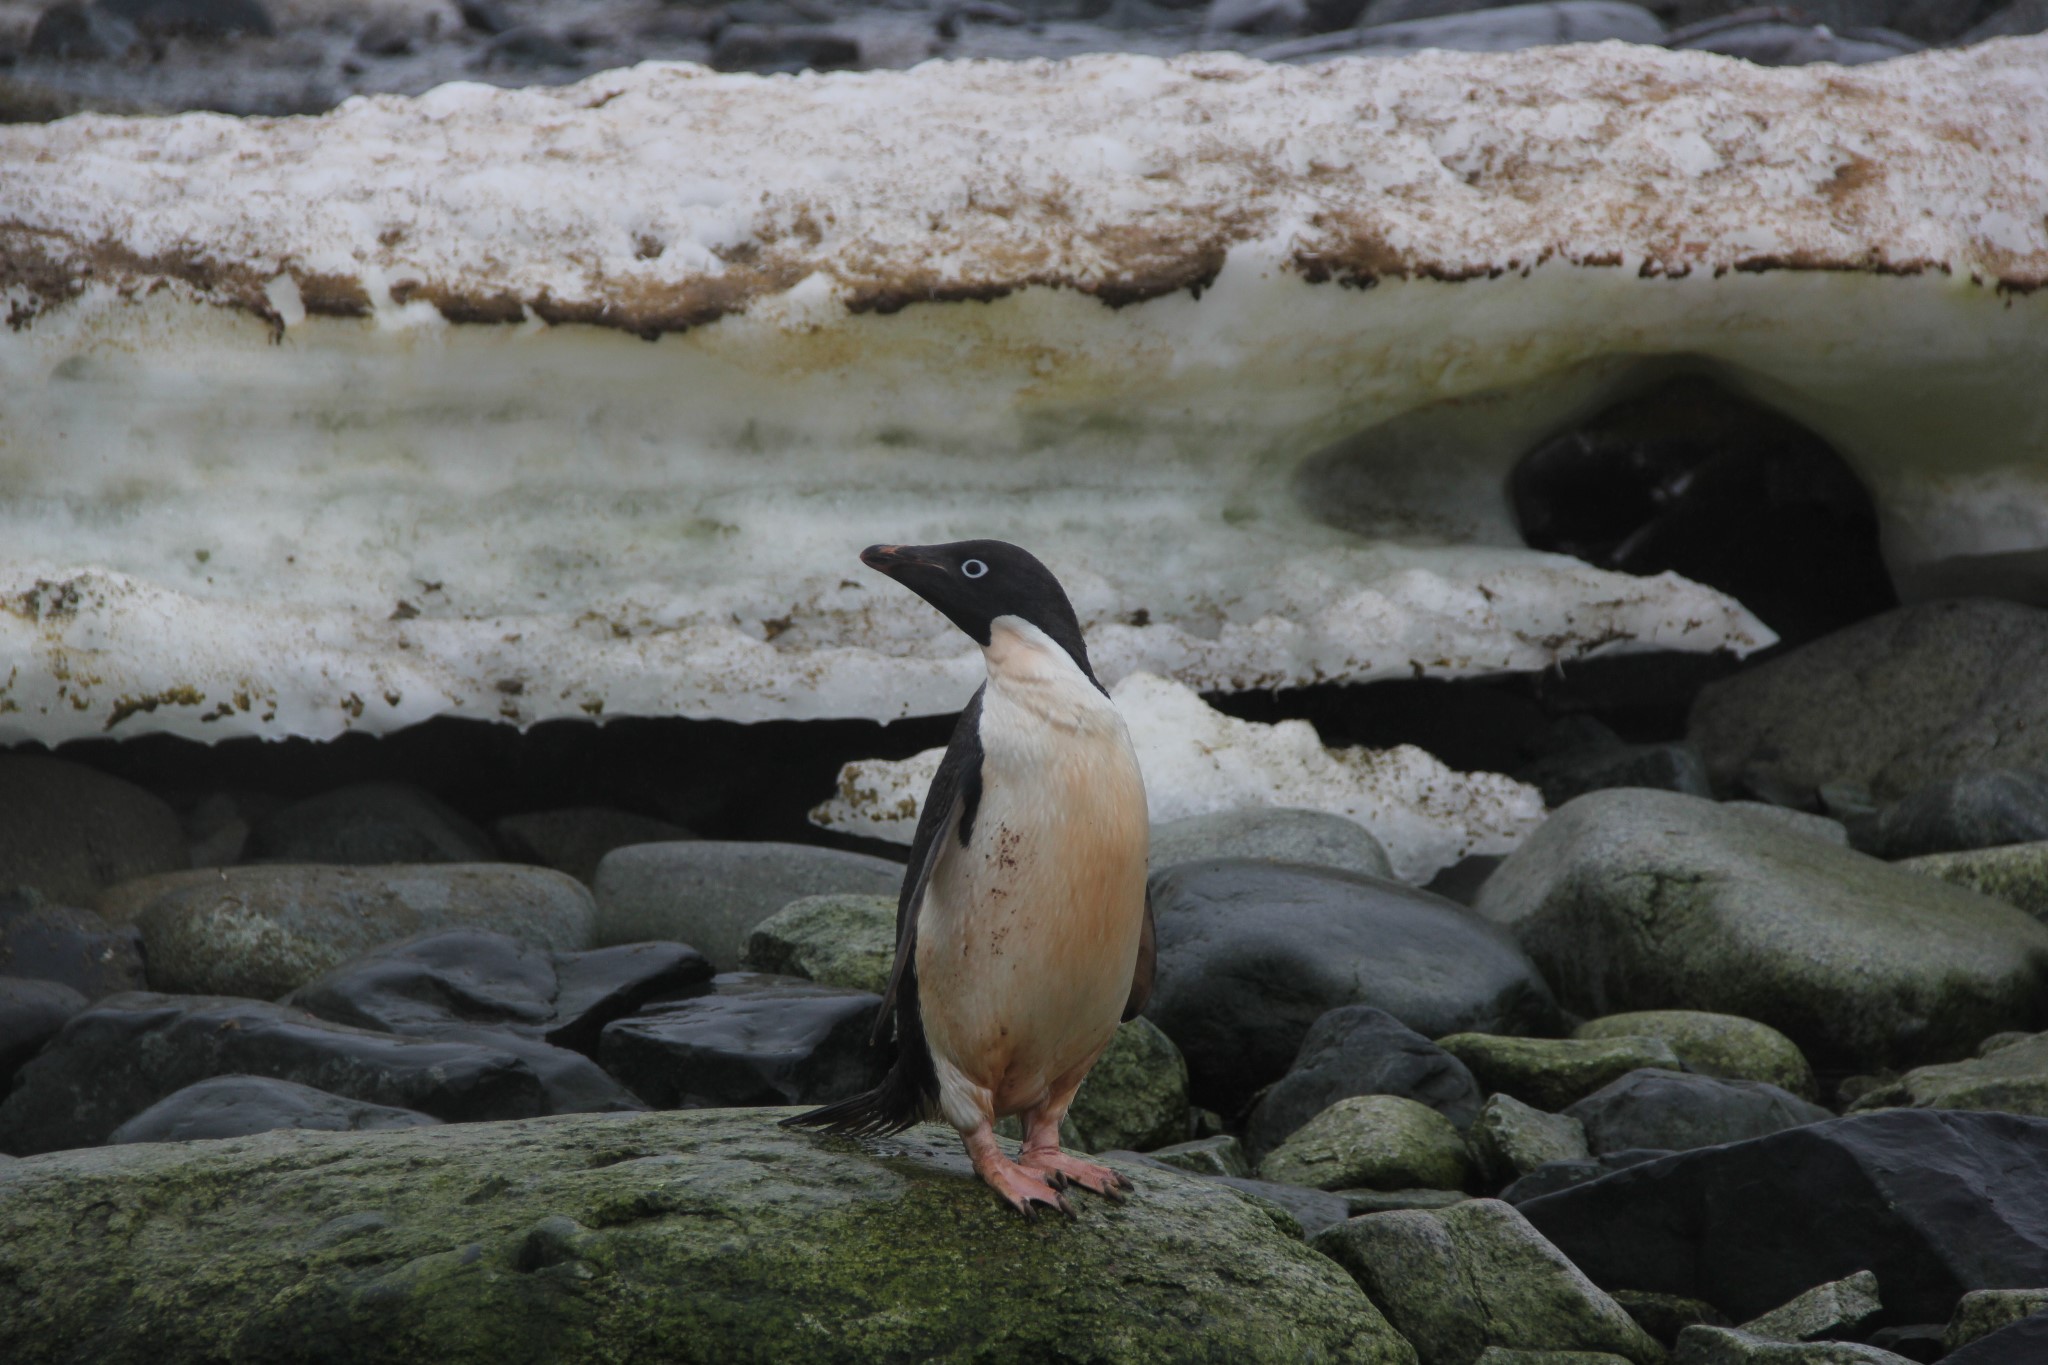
<point x="1063" y="1170"/>
<point x="1024" y="1190"/>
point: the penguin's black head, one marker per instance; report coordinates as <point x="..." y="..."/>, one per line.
<point x="975" y="581"/>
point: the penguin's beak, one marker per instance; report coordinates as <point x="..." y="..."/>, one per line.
<point x="893" y="559"/>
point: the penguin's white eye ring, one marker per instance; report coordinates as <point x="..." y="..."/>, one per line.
<point x="974" y="568"/>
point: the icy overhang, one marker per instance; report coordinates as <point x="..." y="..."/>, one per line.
<point x="343" y="422"/>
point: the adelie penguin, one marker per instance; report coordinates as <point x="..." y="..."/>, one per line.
<point x="1022" y="934"/>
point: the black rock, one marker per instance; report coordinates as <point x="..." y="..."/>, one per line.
<point x="236" y="1106"/>
<point x="485" y="16"/>
<point x="194" y="18"/>
<point x="1674" y="767"/>
<point x="125" y="1053"/>
<point x="32" y="1012"/>
<point x="1252" y="953"/>
<point x="1788" y="39"/>
<point x="2019" y="17"/>
<point x="594" y="988"/>
<point x="74" y="31"/>
<point x="570" y="1083"/>
<point x="1919" y="1341"/>
<point x="2023" y="1343"/>
<point x="1359" y="1050"/>
<point x="529" y="47"/>
<point x="1935" y="1202"/>
<point x="1553" y="1176"/>
<point x="749" y="47"/>
<point x="1980" y="809"/>
<point x="63" y="943"/>
<point x="1678" y="1111"/>
<point x="756" y="1040"/>
<point x="68" y="831"/>
<point x="369" y="823"/>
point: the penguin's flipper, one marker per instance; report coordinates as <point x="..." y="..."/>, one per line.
<point x="1148" y="964"/>
<point x="910" y="1090"/>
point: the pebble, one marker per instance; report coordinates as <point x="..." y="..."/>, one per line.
<point x="1507" y="29"/>
<point x="747" y="47"/>
<point x="208" y="20"/>
<point x="1219" y="1155"/>
<point x="1789" y="42"/>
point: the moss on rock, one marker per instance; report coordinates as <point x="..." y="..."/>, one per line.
<point x="843" y="940"/>
<point x="1724" y="1045"/>
<point x="695" y="1236"/>
<point x="1551" y="1073"/>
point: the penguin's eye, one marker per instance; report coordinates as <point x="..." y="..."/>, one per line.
<point x="974" y="568"/>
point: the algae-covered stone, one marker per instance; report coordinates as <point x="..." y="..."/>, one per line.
<point x="704" y="1236"/>
<point x="1664" y="1316"/>
<point x="1981" y="1312"/>
<point x="1276" y="834"/>
<point x="1504" y="1355"/>
<point x="1511" y="1139"/>
<point x="1378" y="1141"/>
<point x="1455" y="1281"/>
<point x="1834" y="1309"/>
<point x="833" y="940"/>
<point x="1730" y="1346"/>
<point x="2012" y="1078"/>
<point x="1219" y="1155"/>
<point x="1724" y="1045"/>
<point x="263" y="931"/>
<point x="1550" y="1073"/>
<point x="2014" y="873"/>
<point x="1137" y="1094"/>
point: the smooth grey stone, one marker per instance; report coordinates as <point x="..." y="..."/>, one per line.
<point x="575" y="839"/>
<point x="711" y="894"/>
<point x="1507" y="29"/>
<point x="1461" y="881"/>
<point x="369" y="823"/>
<point x="753" y="1041"/>
<point x="1312" y="1210"/>
<point x="1387" y="1201"/>
<point x="1270" y="17"/>
<point x="1892" y="703"/>
<point x="1359" y="1050"/>
<point x="1678" y="1111"/>
<point x="2014" y="873"/>
<point x="68" y="831"/>
<point x="1934" y="1203"/>
<point x="1275" y="834"/>
<point x="1645" y="900"/>
<point x="1251" y="954"/>
<point x="1834" y="1309"/>
<point x="67" y="944"/>
<point x="1674" y="767"/>
<point x="126" y="1052"/>
<point x="1980" y="809"/>
<point x="236" y="1106"/>
<point x="444" y="976"/>
<point x="32" y="1012"/>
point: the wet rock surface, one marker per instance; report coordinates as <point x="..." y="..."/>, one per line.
<point x="1678" y="1112"/>
<point x="1360" y="1050"/>
<point x="238" y="1106"/>
<point x="64" y="943"/>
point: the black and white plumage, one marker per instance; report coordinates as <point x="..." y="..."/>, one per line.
<point x="1023" y="937"/>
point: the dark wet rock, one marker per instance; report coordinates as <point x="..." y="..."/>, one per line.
<point x="1274" y="834"/>
<point x="1461" y="881"/>
<point x="74" y="31"/>
<point x="529" y="46"/>
<point x="1639" y="900"/>
<point x="750" y="47"/>
<point x="1981" y="1312"/>
<point x="2014" y="873"/>
<point x="1668" y="767"/>
<point x="1834" y="1309"/>
<point x="570" y="1083"/>
<point x="1664" y="1316"/>
<point x="1553" y="1176"/>
<point x="201" y="19"/>
<point x="32" y="1012"/>
<point x="1510" y="1139"/>
<point x="711" y="894"/>
<point x="1507" y="29"/>
<point x="574" y="840"/>
<point x="1979" y="809"/>
<point x="2023" y="1343"/>
<point x="1312" y="1210"/>
<point x="712" y="1236"/>
<point x="1455" y="1281"/>
<point x="2018" y="18"/>
<point x="67" y="831"/>
<point x="594" y="988"/>
<point x="388" y="33"/>
<point x="125" y="1053"/>
<point x="1251" y="954"/>
<point x="1715" y="1045"/>
<point x="774" y="1040"/>
<point x="1892" y="703"/>
<point x="369" y="823"/>
<point x="485" y="16"/>
<point x="1732" y="1346"/>
<point x="445" y="976"/>
<point x="267" y="930"/>
<point x="1934" y="1203"/>
<point x="1359" y="1050"/>
<point x="236" y="1106"/>
<point x="1274" y="18"/>
<point x="2012" y="1079"/>
<point x="1781" y="39"/>
<point x="1678" y="1112"/>
<point x="67" y="944"/>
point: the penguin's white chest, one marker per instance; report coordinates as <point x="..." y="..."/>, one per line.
<point x="1028" y="935"/>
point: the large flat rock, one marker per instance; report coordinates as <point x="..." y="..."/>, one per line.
<point x="684" y="1237"/>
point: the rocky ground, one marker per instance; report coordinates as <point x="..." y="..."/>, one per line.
<point x="1738" y="1058"/>
<point x="304" y="56"/>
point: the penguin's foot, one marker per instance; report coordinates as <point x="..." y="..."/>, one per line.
<point x="1062" y="1170"/>
<point x="1024" y="1190"/>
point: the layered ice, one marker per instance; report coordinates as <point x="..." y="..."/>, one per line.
<point x="580" y="401"/>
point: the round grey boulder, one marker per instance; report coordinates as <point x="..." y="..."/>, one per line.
<point x="1676" y="1111"/>
<point x="368" y="823"/>
<point x="67" y="831"/>
<point x="1276" y="834"/>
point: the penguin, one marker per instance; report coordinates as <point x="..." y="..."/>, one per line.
<point x="1023" y="936"/>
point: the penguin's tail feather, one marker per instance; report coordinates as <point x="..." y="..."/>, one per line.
<point x="894" y="1105"/>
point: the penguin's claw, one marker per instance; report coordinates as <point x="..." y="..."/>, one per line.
<point x="1022" y="1189"/>
<point x="1061" y="1171"/>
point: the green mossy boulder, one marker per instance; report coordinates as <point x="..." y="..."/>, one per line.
<point x="1732" y="1346"/>
<point x="834" y="940"/>
<point x="2013" y="1078"/>
<point x="1137" y="1095"/>
<point x="1834" y="1309"/>
<point x="2014" y="873"/>
<point x="690" y="1236"/>
<point x="1455" y="1281"/>
<point x="1551" y="1073"/>
<point x="1981" y="1312"/>
<point x="1723" y="1045"/>
<point x="1511" y="1139"/>
<point x="1380" y="1142"/>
